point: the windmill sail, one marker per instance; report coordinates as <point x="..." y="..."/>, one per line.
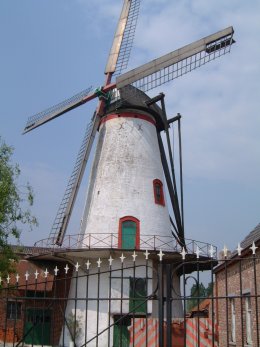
<point x="179" y="62"/>
<point x="123" y="39"/>
<point x="146" y="77"/>
<point x="62" y="218"/>
<point x="56" y="110"/>
<point x="118" y="59"/>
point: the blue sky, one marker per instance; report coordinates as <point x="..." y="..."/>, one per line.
<point x="50" y="50"/>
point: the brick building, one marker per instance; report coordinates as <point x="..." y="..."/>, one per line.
<point x="237" y="289"/>
<point x="29" y="308"/>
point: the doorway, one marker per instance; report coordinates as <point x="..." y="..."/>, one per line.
<point x="37" y="329"/>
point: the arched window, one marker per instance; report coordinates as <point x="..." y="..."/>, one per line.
<point x="129" y="233"/>
<point x="158" y="192"/>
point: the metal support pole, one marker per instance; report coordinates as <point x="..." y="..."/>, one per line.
<point x="169" y="305"/>
<point x="181" y="175"/>
<point x="172" y="194"/>
<point x="174" y="119"/>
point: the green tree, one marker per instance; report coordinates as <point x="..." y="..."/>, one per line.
<point x="198" y="293"/>
<point x="209" y="289"/>
<point x="15" y="202"/>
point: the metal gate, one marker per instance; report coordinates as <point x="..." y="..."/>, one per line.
<point x="122" y="301"/>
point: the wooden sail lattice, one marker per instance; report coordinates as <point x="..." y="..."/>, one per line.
<point x="179" y="62"/>
<point x="56" y="235"/>
<point x="56" y="110"/>
<point x="128" y="37"/>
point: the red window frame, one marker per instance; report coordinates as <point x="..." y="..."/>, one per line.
<point x="160" y="201"/>
<point x="137" y="238"/>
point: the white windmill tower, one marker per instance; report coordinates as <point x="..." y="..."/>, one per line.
<point x="125" y="207"/>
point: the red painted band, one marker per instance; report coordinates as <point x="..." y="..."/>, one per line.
<point x="128" y="115"/>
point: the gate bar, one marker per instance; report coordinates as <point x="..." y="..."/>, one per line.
<point x="169" y="305"/>
<point x="160" y="303"/>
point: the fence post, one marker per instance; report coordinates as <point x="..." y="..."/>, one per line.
<point x="168" y="305"/>
<point x="160" y="303"/>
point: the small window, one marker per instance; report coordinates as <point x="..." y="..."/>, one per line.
<point x="14" y="310"/>
<point x="158" y="192"/>
<point x="248" y="312"/>
<point x="137" y="295"/>
<point x="233" y="320"/>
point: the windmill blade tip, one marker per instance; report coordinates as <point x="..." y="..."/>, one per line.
<point x="27" y="129"/>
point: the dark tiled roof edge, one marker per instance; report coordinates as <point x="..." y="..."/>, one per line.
<point x="253" y="236"/>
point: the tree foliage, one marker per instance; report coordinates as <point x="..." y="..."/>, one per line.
<point x="15" y="202"/>
<point x="198" y="293"/>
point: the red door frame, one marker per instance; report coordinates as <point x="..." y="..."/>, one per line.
<point x="132" y="219"/>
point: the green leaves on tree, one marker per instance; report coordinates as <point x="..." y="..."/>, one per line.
<point x="15" y="203"/>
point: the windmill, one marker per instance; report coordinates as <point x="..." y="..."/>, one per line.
<point x="126" y="94"/>
<point x="125" y="206"/>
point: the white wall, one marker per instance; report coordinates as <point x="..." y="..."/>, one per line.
<point x="86" y="310"/>
<point x="126" y="163"/>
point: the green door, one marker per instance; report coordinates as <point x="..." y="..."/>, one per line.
<point x="129" y="234"/>
<point x="37" y="329"/>
<point x="121" y="336"/>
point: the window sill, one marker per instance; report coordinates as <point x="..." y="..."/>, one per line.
<point x="160" y="204"/>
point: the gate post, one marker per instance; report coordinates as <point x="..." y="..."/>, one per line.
<point x="160" y="303"/>
<point x="168" y="305"/>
